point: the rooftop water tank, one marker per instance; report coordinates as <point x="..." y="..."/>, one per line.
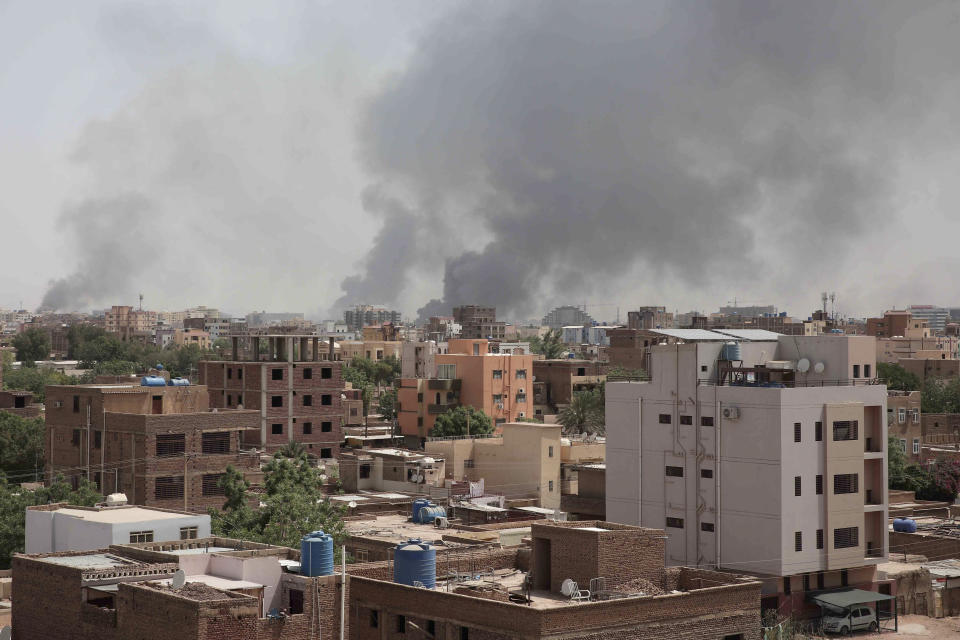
<point x="905" y="525"/>
<point x="418" y="504"/>
<point x="731" y="351"/>
<point x="316" y="554"/>
<point x="430" y="513"/>
<point x="179" y="382"/>
<point x="152" y="381"/>
<point x="415" y="561"/>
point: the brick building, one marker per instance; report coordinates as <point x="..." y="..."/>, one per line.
<point x="162" y="446"/>
<point x="479" y="322"/>
<point x="556" y="382"/>
<point x="294" y="386"/>
<point x="904" y="421"/>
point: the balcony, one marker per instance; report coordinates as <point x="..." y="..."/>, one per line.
<point x="443" y="385"/>
<point x="436" y="409"/>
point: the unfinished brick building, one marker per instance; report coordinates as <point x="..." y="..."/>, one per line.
<point x="291" y="382"/>
<point x="160" y="445"/>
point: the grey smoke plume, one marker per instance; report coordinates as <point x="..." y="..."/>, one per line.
<point x="569" y="143"/>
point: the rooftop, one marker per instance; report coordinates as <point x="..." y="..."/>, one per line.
<point x="396" y="527"/>
<point x="117" y="515"/>
<point x="89" y="560"/>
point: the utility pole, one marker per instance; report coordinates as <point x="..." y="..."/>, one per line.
<point x="186" y="483"/>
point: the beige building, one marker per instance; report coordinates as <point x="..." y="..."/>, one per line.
<point x="767" y="457"/>
<point x="904" y="421"/>
<point x="892" y="350"/>
<point x="373" y="349"/>
<point x="524" y="462"/>
<point x="182" y="337"/>
<point x="391" y="470"/>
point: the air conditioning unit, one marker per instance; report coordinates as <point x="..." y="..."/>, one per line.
<point x="520" y="391"/>
<point x="441" y="523"/>
<point x="520" y="414"/>
<point x="731" y="413"/>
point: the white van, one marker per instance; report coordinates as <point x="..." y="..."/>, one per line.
<point x="853" y="619"/>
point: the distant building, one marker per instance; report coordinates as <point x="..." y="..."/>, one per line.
<point x="264" y="319"/>
<point x="198" y="337"/>
<point x="557" y="381"/>
<point x="565" y="316"/>
<point x="391" y="470"/>
<point x="904" y="421"/>
<point x="365" y="315"/>
<point x="936" y="317"/>
<point x="371" y="349"/>
<point x="479" y="323"/>
<point x="649" y="318"/>
<point x="898" y="324"/>
<point x="418" y="359"/>
<point x="62" y="527"/>
<point x="128" y="323"/>
<point x="749" y="312"/>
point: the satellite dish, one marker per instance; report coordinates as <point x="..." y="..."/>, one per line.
<point x="819" y="367"/>
<point x="567" y="587"/>
<point x="6" y="633"/>
<point x="353" y="504"/>
<point x="803" y="365"/>
<point x="179" y="578"/>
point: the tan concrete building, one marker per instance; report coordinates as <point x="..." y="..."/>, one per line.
<point x="373" y="349"/>
<point x="897" y="324"/>
<point x="127" y="322"/>
<point x="199" y="337"/>
<point x="391" y="470"/>
<point x="523" y="462"/>
<point x="769" y="458"/>
<point x="892" y="350"/>
<point x="923" y="368"/>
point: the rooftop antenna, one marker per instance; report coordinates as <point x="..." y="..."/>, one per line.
<point x="141" y="302"/>
<point x="833" y="306"/>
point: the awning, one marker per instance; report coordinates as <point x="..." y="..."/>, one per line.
<point x="849" y="598"/>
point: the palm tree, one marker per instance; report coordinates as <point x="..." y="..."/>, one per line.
<point x="293" y="450"/>
<point x="550" y="346"/>
<point x="583" y="415"/>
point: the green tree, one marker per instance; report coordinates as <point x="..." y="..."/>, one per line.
<point x="21" y="444"/>
<point x="550" y="346"/>
<point x="623" y="373"/>
<point x="78" y="334"/>
<point x="14" y="501"/>
<point x="584" y="414"/>
<point x="32" y="345"/>
<point x="293" y="450"/>
<point x="34" y="380"/>
<point x="235" y="488"/>
<point x="387" y="405"/>
<point x="897" y="378"/>
<point x="462" y="421"/>
<point x="940" y="396"/>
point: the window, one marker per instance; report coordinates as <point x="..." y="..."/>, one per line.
<point x="796" y="485"/>
<point x="818" y="431"/>
<point x="916" y="415"/>
<point x="296" y="601"/>
<point x="308" y="373"/>
<point x="901" y="415"/>
<point x="820" y="546"/>
<point x="706" y="421"/>
<point x="916" y="446"/>
<point x="401" y="624"/>
<point x="796" y="432"/>
<point x="75" y="440"/>
<point x="326" y="373"/>
<point x="240" y="374"/>
<point x="365" y="470"/>
<point x="229" y="400"/>
<point x="675" y="523"/>
<point x="806" y="582"/>
<point x="276" y="374"/>
<point x="419" y="421"/>
<point x="76" y="404"/>
<point x="497" y="374"/>
<point x="97" y="439"/>
<point x="703" y="368"/>
<point x="550" y="485"/>
<point x="521" y="397"/>
<point x="211" y="484"/>
<point x="856" y="371"/>
<point x="188" y="533"/>
<point x="820" y="575"/>
<point x="786" y="586"/>
<point x="167" y="487"/>
<point x="326" y="399"/>
<point x="276" y="401"/>
<point x="446" y="371"/>
<point x="665" y="418"/>
<point x="229" y="373"/>
<point x="846" y="483"/>
<point x="706" y="473"/>
<point x="431" y="627"/>
<point x="218" y="442"/>
<point x="866" y="371"/>
<point x="464" y="633"/>
<point x="798" y="541"/>
<point x="550" y="451"/>
<point x="844" y="577"/>
<point x="903" y="444"/>
<point x="521" y="374"/>
<point x="419" y="397"/>
<point x="170" y="444"/>
<point x="706" y="526"/>
<point x="308" y="400"/>
<point x="307" y="428"/>
<point x="141" y="536"/>
<point x="326" y="427"/>
<point x="498" y="398"/>
<point x="675" y="472"/>
<point x="846" y="538"/>
<point x="326" y="453"/>
<point x="276" y="429"/>
<point x="374" y="618"/>
<point x="845" y="430"/>
<point x="819" y="485"/>
<point x="686" y="419"/>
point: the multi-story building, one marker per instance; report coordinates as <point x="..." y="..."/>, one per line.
<point x="897" y="324"/>
<point x="127" y="322"/>
<point x="372" y="350"/>
<point x="936" y="317"/>
<point x="468" y="374"/>
<point x="892" y="350"/>
<point x="936" y="367"/>
<point x="479" y="323"/>
<point x="198" y="337"/>
<point x="160" y="445"/>
<point x="904" y="421"/>
<point x="649" y="318"/>
<point x="418" y="359"/>
<point x="295" y="388"/>
<point x="567" y="316"/>
<point x="767" y="457"/>
<point x="556" y="382"/>
<point x="366" y="315"/>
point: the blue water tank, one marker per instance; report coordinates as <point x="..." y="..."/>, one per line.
<point x="906" y="525"/>
<point x="731" y="351"/>
<point x="430" y="513"/>
<point x="159" y="367"/>
<point x="152" y="381"/>
<point x="179" y="382"/>
<point x="415" y="561"/>
<point x="316" y="554"/>
<point x="418" y="504"/>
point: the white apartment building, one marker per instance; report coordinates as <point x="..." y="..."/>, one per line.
<point x="765" y="457"/>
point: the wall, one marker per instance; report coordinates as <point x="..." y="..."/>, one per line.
<point x="520" y="464"/>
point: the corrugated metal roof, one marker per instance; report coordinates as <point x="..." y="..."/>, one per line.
<point x="691" y="334"/>
<point x="750" y="334"/>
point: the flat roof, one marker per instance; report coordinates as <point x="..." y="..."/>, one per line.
<point x="690" y="334"/>
<point x="396" y="527"/>
<point x="90" y="561"/>
<point x="123" y="514"/>
<point x="216" y="582"/>
<point x="850" y="597"/>
<point x="750" y="334"/>
<point x="198" y="550"/>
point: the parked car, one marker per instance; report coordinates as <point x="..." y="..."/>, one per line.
<point x="852" y="619"/>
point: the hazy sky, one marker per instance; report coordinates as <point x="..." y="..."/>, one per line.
<point x="304" y="155"/>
